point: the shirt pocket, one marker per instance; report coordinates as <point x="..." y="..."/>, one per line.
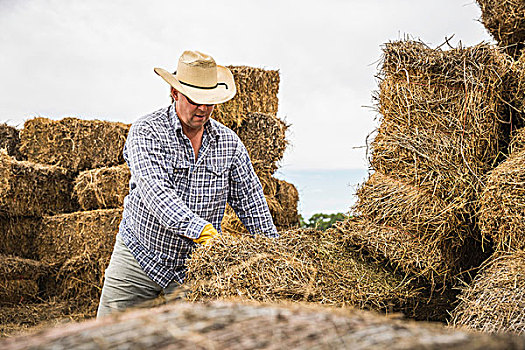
<point x="217" y="181"/>
<point x="178" y="171"/>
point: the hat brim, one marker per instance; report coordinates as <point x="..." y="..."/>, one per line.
<point x="224" y="91"/>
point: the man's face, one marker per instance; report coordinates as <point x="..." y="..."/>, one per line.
<point x="193" y="116"/>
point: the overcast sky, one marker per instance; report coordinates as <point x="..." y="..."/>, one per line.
<point x="95" y="59"/>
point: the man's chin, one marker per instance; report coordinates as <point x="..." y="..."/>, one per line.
<point x="199" y="122"/>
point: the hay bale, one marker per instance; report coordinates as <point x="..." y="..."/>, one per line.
<point x="67" y="235"/>
<point x="102" y="188"/>
<point x="13" y="268"/>
<point x="82" y="275"/>
<point x="30" y="189"/>
<point x="234" y="325"/>
<point x="443" y="117"/>
<point x="385" y="201"/>
<point x="17" y="236"/>
<point x="502" y="205"/>
<point x="301" y="265"/>
<point x="505" y="21"/>
<point x="256" y="92"/>
<point x="495" y="301"/>
<point x="284" y="214"/>
<point x="17" y="291"/>
<point x="265" y="139"/>
<point x="433" y="258"/>
<point x="10" y="140"/>
<point x="418" y="232"/>
<point x="74" y="143"/>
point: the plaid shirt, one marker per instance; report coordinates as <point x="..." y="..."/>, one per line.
<point x="172" y="196"/>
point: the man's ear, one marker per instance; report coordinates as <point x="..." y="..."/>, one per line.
<point x="174" y="94"/>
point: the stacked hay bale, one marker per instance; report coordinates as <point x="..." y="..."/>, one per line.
<point x="73" y="143"/>
<point x="19" y="274"/>
<point x="502" y="203"/>
<point x="441" y="131"/>
<point x="505" y="21"/>
<point x="79" y="243"/>
<point x="24" y="184"/>
<point x="40" y="218"/>
<point x="28" y="192"/>
<point x="495" y="300"/>
<point x="19" y="279"/>
<point x="102" y="188"/>
<point x="256" y="93"/>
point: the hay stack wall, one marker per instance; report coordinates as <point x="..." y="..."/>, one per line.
<point x="442" y="128"/>
<point x="442" y="125"/>
<point x="34" y="194"/>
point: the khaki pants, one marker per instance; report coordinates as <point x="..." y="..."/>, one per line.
<point x="127" y="285"/>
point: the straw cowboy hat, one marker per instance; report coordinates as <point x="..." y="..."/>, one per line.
<point x="200" y="79"/>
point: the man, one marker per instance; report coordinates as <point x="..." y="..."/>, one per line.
<point x="184" y="168"/>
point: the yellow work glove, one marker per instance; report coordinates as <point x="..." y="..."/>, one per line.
<point x="207" y="233"/>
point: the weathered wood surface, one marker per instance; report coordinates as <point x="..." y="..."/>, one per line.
<point x="228" y="325"/>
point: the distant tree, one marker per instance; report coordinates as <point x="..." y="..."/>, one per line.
<point x="321" y="221"/>
<point x="302" y="222"/>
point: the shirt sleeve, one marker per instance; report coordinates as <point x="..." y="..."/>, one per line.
<point x="149" y="166"/>
<point x="246" y="196"/>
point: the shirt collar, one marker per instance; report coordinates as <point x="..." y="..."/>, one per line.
<point x="174" y="119"/>
<point x="211" y="129"/>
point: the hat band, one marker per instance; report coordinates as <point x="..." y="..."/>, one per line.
<point x="203" y="87"/>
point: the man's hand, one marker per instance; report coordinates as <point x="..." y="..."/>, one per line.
<point x="207" y="233"/>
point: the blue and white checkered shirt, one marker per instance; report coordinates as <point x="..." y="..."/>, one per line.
<point x="172" y="196"/>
